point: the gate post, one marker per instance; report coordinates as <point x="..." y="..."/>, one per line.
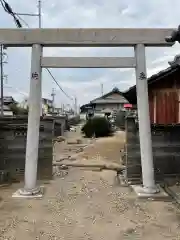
<point x="35" y="105"/>
<point x="149" y="186"/>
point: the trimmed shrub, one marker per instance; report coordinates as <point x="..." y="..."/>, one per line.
<point x="87" y="129"/>
<point x="98" y="127"/>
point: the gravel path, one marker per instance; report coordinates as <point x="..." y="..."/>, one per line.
<point x="86" y="205"/>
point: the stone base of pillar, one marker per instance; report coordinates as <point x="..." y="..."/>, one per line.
<point x="152" y="194"/>
<point x="24" y="193"/>
<point x="122" y="181"/>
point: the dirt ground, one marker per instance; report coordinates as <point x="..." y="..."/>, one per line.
<point x="107" y="148"/>
<point x="87" y="205"/>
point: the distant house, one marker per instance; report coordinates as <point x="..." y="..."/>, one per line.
<point x="47" y="105"/>
<point x="8" y="100"/>
<point x="58" y="110"/>
<point x="86" y="107"/>
<point x="7" y="111"/>
<point x="114" y="100"/>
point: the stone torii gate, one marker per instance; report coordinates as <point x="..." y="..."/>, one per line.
<point x="39" y="38"/>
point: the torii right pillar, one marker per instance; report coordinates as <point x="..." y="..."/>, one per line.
<point x="149" y="187"/>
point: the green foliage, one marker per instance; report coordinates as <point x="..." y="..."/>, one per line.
<point x="18" y="110"/>
<point x="88" y="129"/>
<point x="98" y="127"/>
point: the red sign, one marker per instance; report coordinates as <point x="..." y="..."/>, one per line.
<point x="127" y="105"/>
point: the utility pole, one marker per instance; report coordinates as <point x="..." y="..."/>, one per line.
<point x="75" y="103"/>
<point x="53" y="98"/>
<point x="39" y="14"/>
<point x="2" y="76"/>
<point x="2" y="61"/>
<point x="62" y="106"/>
<point x="102" y="89"/>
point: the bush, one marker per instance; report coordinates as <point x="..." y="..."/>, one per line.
<point x="98" y="127"/>
<point x="87" y="129"/>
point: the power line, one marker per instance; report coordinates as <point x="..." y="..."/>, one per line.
<point x="16" y="89"/>
<point x="7" y="8"/>
<point x="50" y="73"/>
<point x="21" y="19"/>
<point x="58" y="84"/>
<point x="48" y="69"/>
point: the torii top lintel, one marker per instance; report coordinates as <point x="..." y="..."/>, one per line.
<point x="96" y="37"/>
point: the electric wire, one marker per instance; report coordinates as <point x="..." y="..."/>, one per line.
<point x="7" y="8"/>
<point x="22" y="20"/>
<point x="58" y="84"/>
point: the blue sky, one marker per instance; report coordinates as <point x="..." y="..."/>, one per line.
<point x="86" y="83"/>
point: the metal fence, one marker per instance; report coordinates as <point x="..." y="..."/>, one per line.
<point x="166" y="151"/>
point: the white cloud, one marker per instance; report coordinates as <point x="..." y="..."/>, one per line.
<point x="85" y="83"/>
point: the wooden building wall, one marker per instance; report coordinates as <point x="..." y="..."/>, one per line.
<point x="164" y="100"/>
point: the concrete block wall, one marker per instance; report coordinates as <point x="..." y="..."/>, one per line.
<point x="60" y="125"/>
<point x="13" y="132"/>
<point x="166" y="151"/>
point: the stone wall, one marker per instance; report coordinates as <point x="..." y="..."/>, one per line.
<point x="166" y="151"/>
<point x="13" y="132"/>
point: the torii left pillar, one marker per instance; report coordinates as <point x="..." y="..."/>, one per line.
<point x="31" y="189"/>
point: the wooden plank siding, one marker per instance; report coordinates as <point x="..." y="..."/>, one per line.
<point x="151" y="107"/>
<point x="164" y="106"/>
<point x="164" y="100"/>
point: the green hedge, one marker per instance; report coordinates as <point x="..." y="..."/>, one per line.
<point x="98" y="127"/>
